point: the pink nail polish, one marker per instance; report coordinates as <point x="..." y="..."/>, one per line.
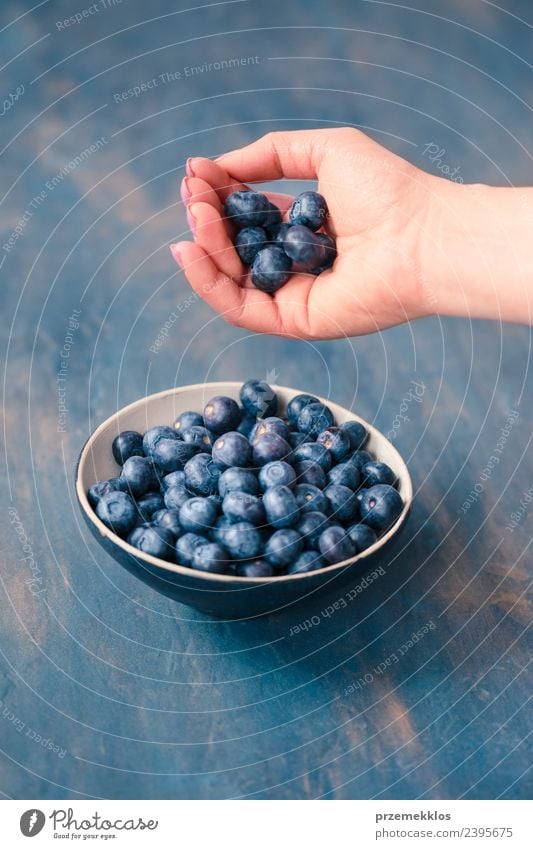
<point x="188" y="167"/>
<point x="185" y="191"/>
<point x="192" y="221"/>
<point x="174" y="250"/>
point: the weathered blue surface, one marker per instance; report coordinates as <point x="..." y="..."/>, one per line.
<point x="142" y="697"/>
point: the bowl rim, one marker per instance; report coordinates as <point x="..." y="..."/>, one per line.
<point x="177" y="568"/>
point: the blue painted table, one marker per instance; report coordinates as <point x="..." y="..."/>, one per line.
<point x="109" y="690"/>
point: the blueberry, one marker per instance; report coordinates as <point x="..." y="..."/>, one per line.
<point x="311" y="526"/>
<point x="139" y="475"/>
<point x="303" y="247"/>
<point x="283" y="547"/>
<point x="269" y="447"/>
<point x="129" y="443"/>
<point x="243" y="541"/>
<point x="335" y="544"/>
<point x="276" y="473"/>
<point x="248" y="242"/>
<point x="380" y="506"/>
<point x="271" y="424"/>
<point x="149" y="504"/>
<point x="308" y="561"/>
<point x="315" y="452"/>
<point x="173" y="479"/>
<point x="281" y="233"/>
<point x="359" y="458"/>
<point x="176" y="496"/>
<point x="281" y="507"/>
<point x="117" y="510"/>
<point x="198" y="515"/>
<point x="271" y="269"/>
<point x="255" y="569"/>
<point x="343" y="506"/>
<point x="310" y="498"/>
<point x="345" y="474"/>
<point x="296" y="438"/>
<point x="231" y="449"/>
<point x="217" y="531"/>
<point x="210" y="557"/>
<point x="309" y="472"/>
<point x="188" y="419"/>
<point x="272" y="220"/>
<point x="247" y="209"/>
<point x="168" y="519"/>
<point x="170" y="455"/>
<point x="243" y="507"/>
<point x="258" y="399"/>
<point x="336" y="441"/>
<point x="152" y="437"/>
<point x="362" y="537"/>
<point x="154" y="540"/>
<point x="241" y="480"/>
<point x="314" y="418"/>
<point x="202" y="475"/>
<point x="247" y="423"/>
<point x="186" y="546"/>
<point x="199" y="436"/>
<point x="357" y="432"/>
<point x="309" y="209"/>
<point x="222" y="414"/>
<point x="375" y="472"/>
<point x="330" y="250"/>
<point x="296" y="405"/>
<point x="100" y="488"/>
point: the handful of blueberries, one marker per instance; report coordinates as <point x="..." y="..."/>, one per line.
<point x="239" y="490"/>
<point x="274" y="248"/>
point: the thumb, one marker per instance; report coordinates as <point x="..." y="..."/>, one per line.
<point x="296" y="155"/>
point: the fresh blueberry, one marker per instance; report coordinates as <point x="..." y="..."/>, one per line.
<point x="271" y="269"/>
<point x="139" y="475"/>
<point x="247" y="209"/>
<point x="336" y="441"/>
<point x="330" y="250"/>
<point x="243" y="541"/>
<point x="315" y="452"/>
<point x="281" y="233"/>
<point x="359" y="497"/>
<point x="186" y="546"/>
<point x="258" y="399"/>
<point x="100" y="488"/>
<point x="170" y="520"/>
<point x="272" y="424"/>
<point x="149" y="504"/>
<point x="309" y="209"/>
<point x="281" y="507"/>
<point x="272" y="220"/>
<point x="308" y="561"/>
<point x="198" y="515"/>
<point x="173" y="479"/>
<point x="117" y="510"/>
<point x="248" y="242"/>
<point x="202" y="475"/>
<point x="309" y="472"/>
<point x="170" y="455"/>
<point x="296" y="405"/>
<point x="276" y="473"/>
<point x="238" y="480"/>
<point x="210" y="557"/>
<point x="359" y="458"/>
<point x="343" y="506"/>
<point x="243" y="507"/>
<point x="269" y="447"/>
<point x="231" y="449"/>
<point x="296" y="438"/>
<point x="255" y="569"/>
<point x="362" y="537"/>
<point x="216" y="533"/>
<point x="335" y="544"/>
<point x="357" y="432"/>
<point x="222" y="414"/>
<point x="380" y="506"/>
<point x="304" y="248"/>
<point x="129" y="443"/>
<point x="375" y="472"/>
<point x="311" y="526"/>
<point x="176" y="496"/>
<point x="154" y="540"/>
<point x="314" y="418"/>
<point x="247" y="423"/>
<point x="345" y="474"/>
<point x="199" y="436"/>
<point x="283" y="547"/>
<point x="188" y="419"/>
<point x="152" y="437"/>
<point x="310" y="498"/>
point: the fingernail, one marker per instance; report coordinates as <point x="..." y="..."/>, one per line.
<point x="192" y="221"/>
<point x="185" y="191"/>
<point x="189" y="167"/>
<point x="175" y="251"/>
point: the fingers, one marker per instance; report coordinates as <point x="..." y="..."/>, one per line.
<point x="211" y="234"/>
<point x="194" y="189"/>
<point x="296" y="155"/>
<point x="243" y="307"/>
<point x="210" y="173"/>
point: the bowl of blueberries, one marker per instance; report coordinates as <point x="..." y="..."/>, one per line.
<point x="242" y="499"/>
